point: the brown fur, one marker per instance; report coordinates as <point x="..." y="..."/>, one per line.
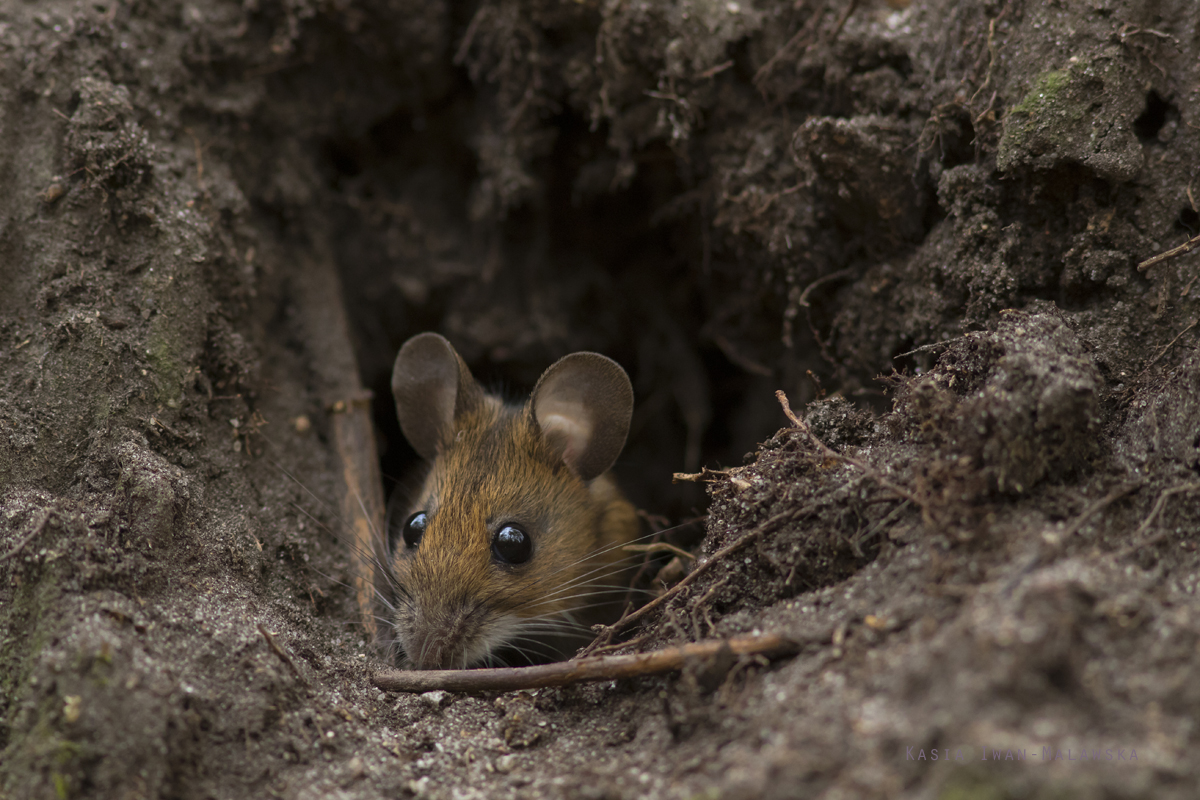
<point x="453" y="599"/>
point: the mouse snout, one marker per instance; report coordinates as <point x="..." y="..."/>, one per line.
<point x="442" y="638"/>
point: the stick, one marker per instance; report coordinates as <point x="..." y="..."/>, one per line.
<point x="37" y="528"/>
<point x="833" y="276"/>
<point x="842" y="20"/>
<point x="808" y="29"/>
<point x="1042" y="556"/>
<point x="596" y="668"/>
<point x="660" y="547"/>
<point x="335" y="379"/>
<point x="702" y="566"/>
<point x="705" y="474"/>
<point x="283" y="656"/>
<point x="1186" y="247"/>
<point x="1099" y="505"/>
<point x="1168" y="346"/>
<point x="1146" y="523"/>
<point x="609" y="648"/>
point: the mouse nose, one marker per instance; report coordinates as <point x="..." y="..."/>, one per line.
<point x="435" y="652"/>
<point x="441" y="640"/>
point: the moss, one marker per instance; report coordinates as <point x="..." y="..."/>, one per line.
<point x="66" y="752"/>
<point x="31" y="730"/>
<point x="1045" y="93"/>
<point x="1071" y="116"/>
<point x="62" y="789"/>
<point x="166" y="343"/>
<point x="23" y="613"/>
<point x="1045" y="119"/>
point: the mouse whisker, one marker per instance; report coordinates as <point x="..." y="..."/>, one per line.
<point x="631" y="558"/>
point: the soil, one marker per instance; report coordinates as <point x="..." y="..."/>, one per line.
<point x="922" y="221"/>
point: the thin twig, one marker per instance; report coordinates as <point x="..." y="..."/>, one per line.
<point x="464" y="47"/>
<point x="1042" y="556"/>
<point x="596" y="668"/>
<point x="705" y="474"/>
<point x="606" y="632"/>
<point x="699" y="604"/>
<point x="717" y="70"/>
<point x="1186" y="247"/>
<point x="660" y="547"/>
<point x="283" y="656"/>
<point x="1146" y="523"/>
<point x="933" y="346"/>
<point x="991" y="48"/>
<point x="837" y="29"/>
<point x="1170" y="344"/>
<point x="857" y="542"/>
<point x="870" y="471"/>
<point x="796" y="42"/>
<point x="833" y="276"/>
<point x="634" y="642"/>
<point x="37" y="528"/>
<point x="1100" y="505"/>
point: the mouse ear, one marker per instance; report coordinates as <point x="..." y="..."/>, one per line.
<point x="583" y="404"/>
<point x="433" y="388"/>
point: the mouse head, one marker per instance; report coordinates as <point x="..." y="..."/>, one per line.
<point x="498" y="540"/>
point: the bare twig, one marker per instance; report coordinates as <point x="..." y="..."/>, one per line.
<point x="634" y="642"/>
<point x="932" y="346"/>
<point x="833" y="276"/>
<point x="283" y="656"/>
<point x="717" y="70"/>
<point x="796" y="43"/>
<point x="38" y="527"/>
<point x="705" y="474"/>
<point x="660" y="547"/>
<point x="464" y="47"/>
<point x="1044" y="555"/>
<point x="606" y="632"/>
<point x="986" y="109"/>
<point x="702" y="601"/>
<point x="1162" y="352"/>
<point x="841" y="23"/>
<point x="1100" y="505"/>
<point x="737" y="357"/>
<point x="870" y="471"/>
<point x="1170" y="344"/>
<point x="1149" y="520"/>
<point x="857" y="542"/>
<point x="596" y="668"/>
<point x="326" y="329"/>
<point x="1186" y="247"/>
<point x="991" y="49"/>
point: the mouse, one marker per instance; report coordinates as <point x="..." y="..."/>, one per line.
<point x="511" y="547"/>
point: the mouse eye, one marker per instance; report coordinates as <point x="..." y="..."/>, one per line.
<point x="512" y="545"/>
<point x="414" y="528"/>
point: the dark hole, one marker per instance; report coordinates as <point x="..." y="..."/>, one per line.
<point x="1060" y="676"/>
<point x="1153" y="118"/>
<point x="344" y="157"/>
<point x="1188" y="220"/>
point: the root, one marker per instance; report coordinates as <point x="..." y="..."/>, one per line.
<point x="38" y="527"/>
